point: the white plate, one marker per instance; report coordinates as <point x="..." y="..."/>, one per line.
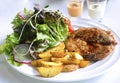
<point x="91" y="71"/>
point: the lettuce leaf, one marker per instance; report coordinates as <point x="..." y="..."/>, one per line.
<point x="51" y="30"/>
<point x="42" y="29"/>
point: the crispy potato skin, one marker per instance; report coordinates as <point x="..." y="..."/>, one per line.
<point x="66" y="61"/>
<point x="47" y="68"/>
<point x="46" y="63"/>
<point x="52" y="62"/>
<point x="84" y="63"/>
<point x="58" y="54"/>
<point x="49" y="71"/>
<point x="47" y="54"/>
<point x="37" y="63"/>
<point x="70" y="68"/>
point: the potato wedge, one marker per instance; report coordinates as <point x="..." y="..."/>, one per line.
<point x="42" y="62"/>
<point x="65" y="61"/>
<point x="37" y="63"/>
<point x="84" y="63"/>
<point x="58" y="54"/>
<point x="47" y="53"/>
<point x="50" y="64"/>
<point x="49" y="71"/>
<point x="70" y="68"/>
<point x="73" y="55"/>
<point x="71" y="61"/>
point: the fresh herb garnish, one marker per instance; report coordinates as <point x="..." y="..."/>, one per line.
<point x="75" y="4"/>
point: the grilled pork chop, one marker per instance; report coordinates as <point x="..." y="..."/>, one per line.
<point x="93" y="44"/>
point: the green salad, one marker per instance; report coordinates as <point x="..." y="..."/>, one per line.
<point x="40" y="29"/>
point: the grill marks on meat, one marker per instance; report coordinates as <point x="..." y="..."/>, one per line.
<point x="93" y="43"/>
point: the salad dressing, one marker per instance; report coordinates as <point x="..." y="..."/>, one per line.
<point x="74" y="8"/>
<point x="96" y="10"/>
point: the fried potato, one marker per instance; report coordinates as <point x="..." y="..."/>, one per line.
<point x="56" y="60"/>
<point x="49" y="71"/>
<point x="44" y="62"/>
<point x="47" y="68"/>
<point x="37" y="63"/>
<point x="69" y="58"/>
<point x="47" y="53"/>
<point x="73" y="55"/>
<point x="65" y="61"/>
<point x="70" y="68"/>
<point x="84" y="63"/>
<point x="50" y="64"/>
<point x="58" y="54"/>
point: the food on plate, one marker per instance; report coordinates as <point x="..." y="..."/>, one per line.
<point x="21" y="55"/>
<point x="47" y="53"/>
<point x="41" y="29"/>
<point x="84" y="63"/>
<point x="70" y="67"/>
<point x="47" y="68"/>
<point x="51" y="43"/>
<point x="37" y="63"/>
<point x="69" y="61"/>
<point x="94" y="44"/>
<point x="49" y="71"/>
<point x="66" y="61"/>
<point x="58" y="54"/>
<point x="49" y="63"/>
<point x="69" y="58"/>
<point x="80" y="48"/>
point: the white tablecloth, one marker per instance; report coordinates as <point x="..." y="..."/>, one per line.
<point x="9" y="8"/>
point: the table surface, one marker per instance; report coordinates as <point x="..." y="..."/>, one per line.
<point x="9" y="8"/>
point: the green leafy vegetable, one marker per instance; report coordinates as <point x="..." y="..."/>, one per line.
<point x="10" y="42"/>
<point x="42" y="29"/>
<point x="51" y="29"/>
<point x="7" y="48"/>
<point x="17" y="21"/>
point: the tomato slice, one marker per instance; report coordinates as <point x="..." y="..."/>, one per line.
<point x="70" y="28"/>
